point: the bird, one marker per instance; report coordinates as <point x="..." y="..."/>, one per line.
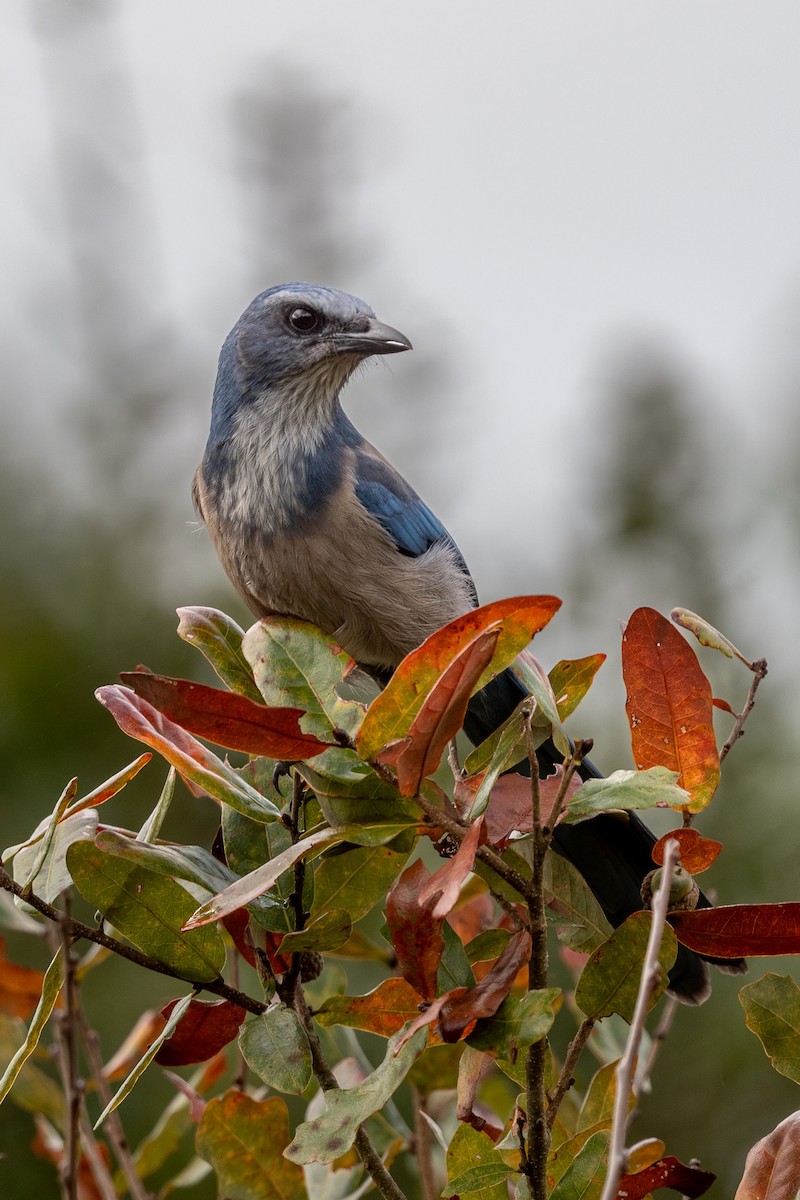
<point x="310" y="520"/>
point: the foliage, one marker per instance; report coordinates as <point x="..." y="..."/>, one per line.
<point x="307" y="850"/>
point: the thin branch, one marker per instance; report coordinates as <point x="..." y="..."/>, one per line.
<point x="77" y="929"/>
<point x="66" y="1025"/>
<point x="534" y="1164"/>
<point x="100" y="1172"/>
<point x="581" y="748"/>
<point x="759" y="669"/>
<point x="566" y="1077"/>
<point x="657" y="1039"/>
<point x="651" y="974"/>
<point x="423" y="1144"/>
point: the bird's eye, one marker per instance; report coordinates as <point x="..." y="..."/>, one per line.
<point x="304" y="320"/>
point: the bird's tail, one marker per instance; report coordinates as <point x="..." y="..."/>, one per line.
<point x="612" y="851"/>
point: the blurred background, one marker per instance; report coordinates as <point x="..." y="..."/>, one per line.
<point x="585" y="217"/>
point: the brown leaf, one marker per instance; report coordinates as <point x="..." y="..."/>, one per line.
<point x="772" y="1168"/>
<point x="697" y="853"/>
<point x="203" y="1030"/>
<point x="510" y="807"/>
<point x="669" y="705"/>
<point x="383" y="1011"/>
<point x="418" y="754"/>
<point x="668" y="1172"/>
<point x="465" y="1005"/>
<point x="740" y="930"/>
<point x="444" y="885"/>
<point x="227" y="718"/>
<point x="414" y="931"/>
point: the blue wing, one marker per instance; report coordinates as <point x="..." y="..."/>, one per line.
<point x="394" y="503"/>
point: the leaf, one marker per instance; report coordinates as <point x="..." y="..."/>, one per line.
<point x="772" y="1012"/>
<point x="328" y="931"/>
<point x="501" y="750"/>
<point x="51" y="987"/>
<point x="355" y="880"/>
<point x="248" y="845"/>
<point x="204" y="1029"/>
<point x="226" y="718"/>
<point x="772" y="1169"/>
<point x="585" y="1176"/>
<point x="462" y="1007"/>
<point x="350" y="793"/>
<point x="610" y="979"/>
<point x="151" y="826"/>
<point x="296" y="665"/>
<point x="33" y="1090"/>
<point x="669" y="706"/>
<point x="243" y="1139"/>
<point x="625" y="790"/>
<point x="671" y="1173"/>
<point x="148" y="1026"/>
<point x="510" y="807"/>
<point x="481" y="1179"/>
<point x="697" y="853"/>
<point x="468" y="1149"/>
<point x="144" y="1062"/>
<point x="454" y="969"/>
<point x="328" y="1136"/>
<point x="391" y="714"/>
<point x="383" y="1011"/>
<point x="20" y="986"/>
<point x="189" y="757"/>
<point x="48" y="875"/>
<point x="581" y="923"/>
<point x="419" y="753"/>
<point x="148" y="909"/>
<point x="192" y="863"/>
<point x="219" y="640"/>
<point x="516" y="1024"/>
<point x="597" y="1109"/>
<point x="571" y="680"/>
<point x="414" y="932"/>
<point x="705" y="633"/>
<point x="740" y="930"/>
<point x="444" y="886"/>
<point x="41" y="851"/>
<point x="276" y="1047"/>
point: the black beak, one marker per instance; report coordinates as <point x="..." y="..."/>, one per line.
<point x="377" y="338"/>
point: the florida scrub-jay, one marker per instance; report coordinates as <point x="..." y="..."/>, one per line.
<point x="310" y="520"/>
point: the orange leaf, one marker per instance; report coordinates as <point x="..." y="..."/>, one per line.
<point x="227" y="718"/>
<point x="20" y="987"/>
<point x="697" y="853"/>
<point x="392" y="712"/>
<point x="418" y="755"/>
<point x="383" y="1011"/>
<point x="740" y="930"/>
<point x="669" y="705"/>
<point x="414" y="931"/>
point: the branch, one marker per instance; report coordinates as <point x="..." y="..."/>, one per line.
<point x="566" y="1078"/>
<point x="76" y="929"/>
<point x="759" y="669"/>
<point x="534" y="1163"/>
<point x="651" y="973"/>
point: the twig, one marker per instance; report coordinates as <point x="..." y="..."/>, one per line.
<point x="76" y="930"/>
<point x="657" y="1039"/>
<point x="101" y="1175"/>
<point x="113" y="1124"/>
<point x="67" y="1038"/>
<point x="534" y="1163"/>
<point x="566" y="1078"/>
<point x="759" y="669"/>
<point x="571" y="765"/>
<point x="651" y="974"/>
<point x="423" y="1144"/>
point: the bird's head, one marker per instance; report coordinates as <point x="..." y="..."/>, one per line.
<point x="299" y="329"/>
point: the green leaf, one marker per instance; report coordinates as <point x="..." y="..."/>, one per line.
<point x="248" y="845"/>
<point x="585" y="1176"/>
<point x="503" y="748"/>
<point x="454" y="969"/>
<point x="772" y="1011"/>
<point x="33" y="1090"/>
<point x="581" y="923"/>
<point x="152" y="826"/>
<point x="133" y="1078"/>
<point x="598" y="1103"/>
<point x="571" y="680"/>
<point x="148" y="909"/>
<point x="243" y="1139"/>
<point x="326" y="932"/>
<point x="330" y="1135"/>
<point x="610" y="979"/>
<point x="190" y="758"/>
<point x="516" y="1024"/>
<point x="42" y="850"/>
<point x="706" y="634"/>
<point x="47" y="874"/>
<point x="626" y="790"/>
<point x="51" y="986"/>
<point x="219" y="639"/>
<point x="481" y="1179"/>
<point x="355" y="879"/>
<point x="470" y="1150"/>
<point x="349" y="791"/>
<point x="296" y="665"/>
<point x="275" y="1046"/>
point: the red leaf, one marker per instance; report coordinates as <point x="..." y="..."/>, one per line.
<point x="414" y="931"/>
<point x="668" y="1172"/>
<point x="465" y="1005"/>
<point x="740" y="930"/>
<point x="205" y="1027"/>
<point x="444" y="885"/>
<point x="510" y="807"/>
<point x="669" y="705"/>
<point x="723" y="705"/>
<point x="391" y="713"/>
<point x="418" y="754"/>
<point x="227" y="718"/>
<point x="697" y="852"/>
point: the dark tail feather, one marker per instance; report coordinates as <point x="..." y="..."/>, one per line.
<point x="612" y="851"/>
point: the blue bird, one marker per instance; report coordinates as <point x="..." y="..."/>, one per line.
<point x="310" y="520"/>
